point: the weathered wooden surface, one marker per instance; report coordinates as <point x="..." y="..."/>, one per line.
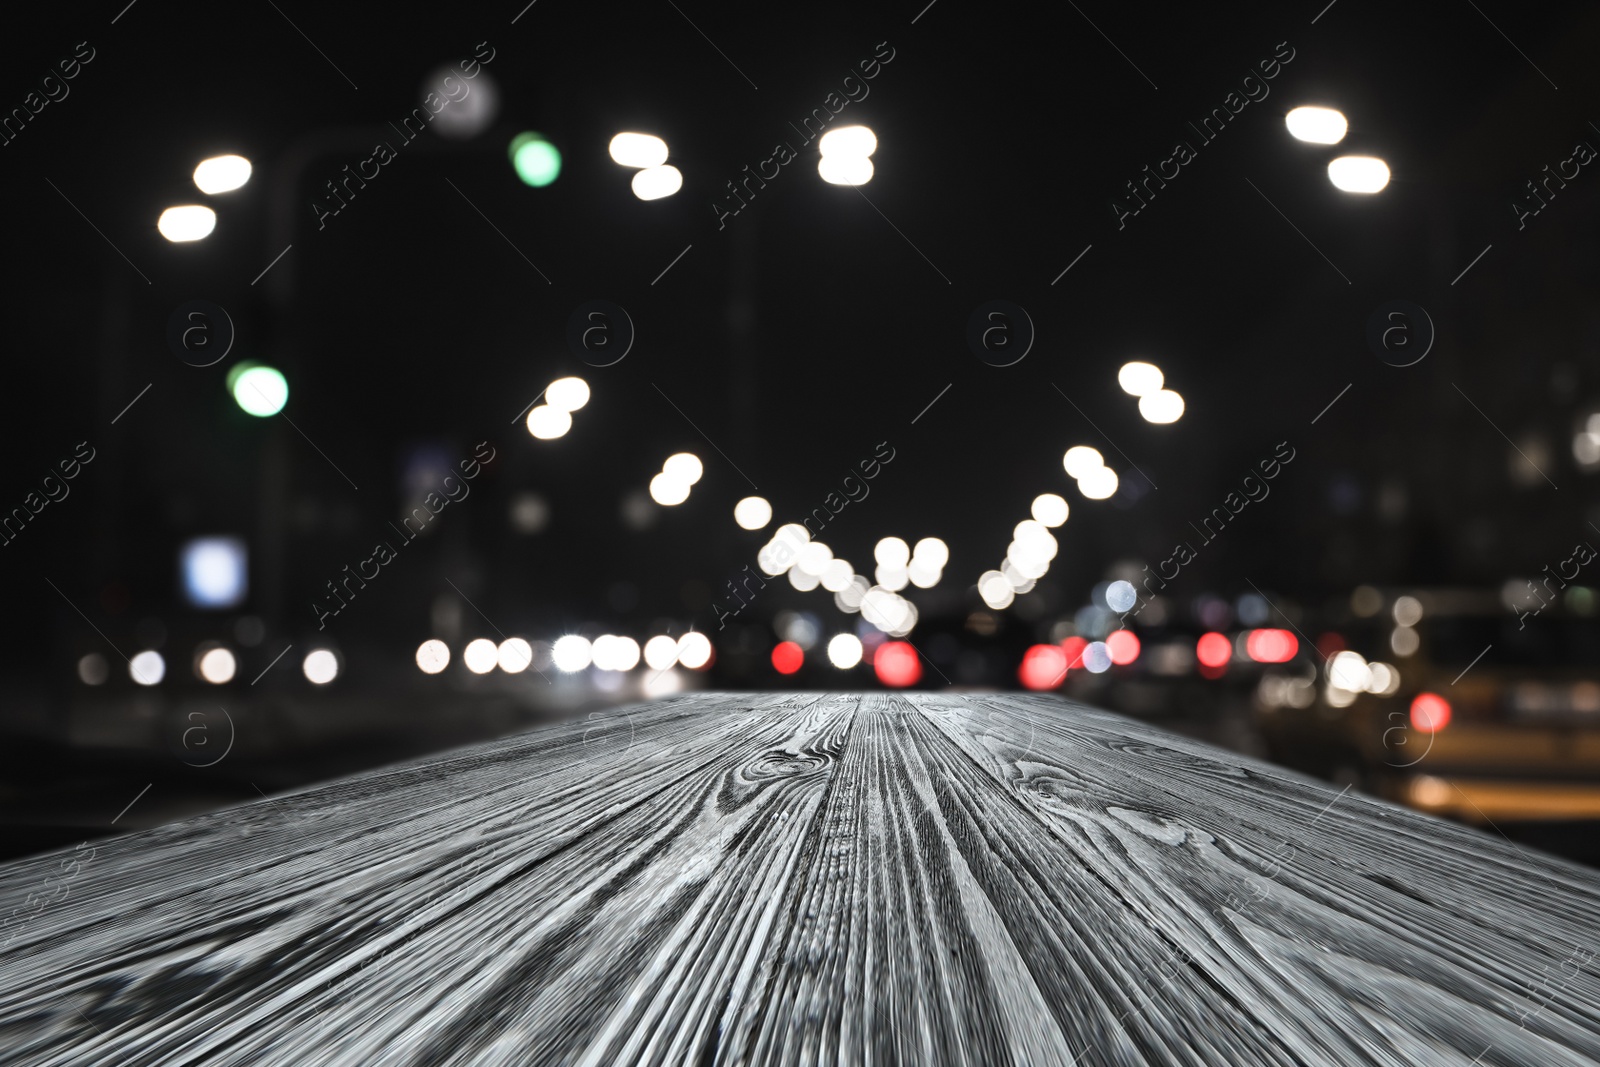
<point x="808" y="878"/>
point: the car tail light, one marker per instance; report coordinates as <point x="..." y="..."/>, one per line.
<point x="1430" y="712"/>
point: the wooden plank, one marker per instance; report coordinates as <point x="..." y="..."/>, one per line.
<point x="807" y="878"/>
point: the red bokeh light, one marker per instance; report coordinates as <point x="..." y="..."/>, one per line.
<point x="1123" y="646"/>
<point x="787" y="657"/>
<point x="1043" y="667"/>
<point x="1271" y="646"/>
<point x="1430" y="712"/>
<point x="1073" y="647"/>
<point x="1329" y="643"/>
<point x="1213" y="650"/>
<point x="896" y="664"/>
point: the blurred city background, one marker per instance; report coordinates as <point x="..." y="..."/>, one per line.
<point x="1238" y="370"/>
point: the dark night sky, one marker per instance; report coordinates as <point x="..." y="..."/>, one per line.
<point x="820" y="320"/>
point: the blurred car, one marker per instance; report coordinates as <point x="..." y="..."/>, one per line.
<point x="1450" y="703"/>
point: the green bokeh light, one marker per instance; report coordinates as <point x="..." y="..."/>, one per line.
<point x="537" y="161"/>
<point x="259" y="390"/>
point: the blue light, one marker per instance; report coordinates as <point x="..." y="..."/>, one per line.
<point x="215" y="572"/>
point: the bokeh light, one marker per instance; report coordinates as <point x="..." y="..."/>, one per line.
<point x="217" y="666"/>
<point x="1043" y="667"/>
<point x="320" y="666"/>
<point x="536" y="161"/>
<point x="1098" y="484"/>
<point x="845" y="170"/>
<point x="848" y="141"/>
<point x="260" y="391"/>
<point x="1430" y="712"/>
<point x="1121" y="595"/>
<point x="684" y="467"/>
<point x="752" y="513"/>
<point x="547" y="423"/>
<point x="567" y="394"/>
<point x="892" y="552"/>
<point x="480" y="655"/>
<point x="514" y="655"/>
<point x="1080" y="460"/>
<point x="1316" y="125"/>
<point x="1122" y="646"/>
<point x="932" y="551"/>
<point x="433" y="656"/>
<point x="1271" y="646"/>
<point x="896" y="664"/>
<point x="1050" y="509"/>
<point x="657" y="182"/>
<point x="1359" y="174"/>
<point x="660" y="652"/>
<point x="1140" y="379"/>
<point x="93" y="669"/>
<point x="190" y="222"/>
<point x="147" y="668"/>
<point x="667" y="490"/>
<point x="638" y="150"/>
<point x="787" y="657"/>
<point x="571" y="653"/>
<point x="221" y="174"/>
<point x="1161" y="407"/>
<point x="844" y="651"/>
<point x="1213" y="650"/>
<point x="694" y="650"/>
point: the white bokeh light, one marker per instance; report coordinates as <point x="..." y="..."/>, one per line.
<point x="1359" y="174"/>
<point x="844" y="651"/>
<point x="1316" y="125"/>
<point x="893" y="579"/>
<point x="1140" y="379"/>
<point x="567" y="394"/>
<point x="221" y="174"/>
<point x="855" y="141"/>
<point x="1050" y="509"/>
<point x="1081" y="459"/>
<point x="217" y="666"/>
<point x="931" y="551"/>
<point x="892" y="552"/>
<point x="814" y="559"/>
<point x="694" y="650"/>
<point x="995" y="590"/>
<point x="480" y="655"/>
<point x="684" y="467"/>
<point x="320" y="666"/>
<point x="547" y="423"/>
<point x="845" y="170"/>
<point x="1121" y="595"/>
<point x="147" y="668"/>
<point x="514" y="655"/>
<point x="923" y="574"/>
<point x="191" y="222"/>
<point x="660" y="652"/>
<point x="571" y="653"/>
<point x="657" y="182"/>
<point x="1098" y="484"/>
<point x="433" y="656"/>
<point x="667" y="490"/>
<point x="752" y="513"/>
<point x="1161" y="407"/>
<point x="638" y="150"/>
<point x="836" y="575"/>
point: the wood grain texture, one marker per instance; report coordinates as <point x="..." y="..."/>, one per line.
<point x="808" y="879"/>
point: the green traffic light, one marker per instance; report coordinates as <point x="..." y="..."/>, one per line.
<point x="536" y="160"/>
<point x="260" y="390"/>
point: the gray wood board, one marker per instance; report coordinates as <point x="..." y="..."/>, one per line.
<point x="807" y="878"/>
